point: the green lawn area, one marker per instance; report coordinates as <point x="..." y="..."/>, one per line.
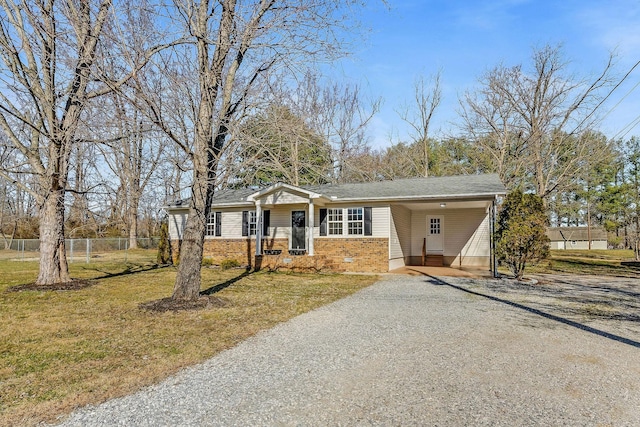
<point x="593" y="262"/>
<point x="64" y="349"/>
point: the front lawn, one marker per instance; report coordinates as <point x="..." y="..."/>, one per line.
<point x="64" y="349"/>
<point x="593" y="262"/>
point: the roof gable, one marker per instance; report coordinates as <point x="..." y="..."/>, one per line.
<point x="281" y="193"/>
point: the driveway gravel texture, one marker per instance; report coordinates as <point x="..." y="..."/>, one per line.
<point x="419" y="350"/>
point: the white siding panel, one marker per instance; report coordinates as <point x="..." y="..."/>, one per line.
<point x="469" y="235"/>
<point x="557" y="245"/>
<point x="281" y="221"/>
<point x="284" y="198"/>
<point x="419" y="231"/>
<point x="177" y="222"/>
<point x="232" y="224"/>
<point x="380" y="221"/>
<point x="466" y="232"/>
<point x="400" y="233"/>
<point x="581" y="244"/>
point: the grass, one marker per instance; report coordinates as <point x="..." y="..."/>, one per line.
<point x="64" y="349"/>
<point x="593" y="262"/>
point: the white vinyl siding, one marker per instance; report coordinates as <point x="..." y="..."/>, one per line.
<point x="400" y="235"/>
<point x="177" y="222"/>
<point x="283" y="197"/>
<point x="232" y="224"/>
<point x="466" y="232"/>
<point x="280" y="222"/>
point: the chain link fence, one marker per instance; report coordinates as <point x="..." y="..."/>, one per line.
<point x="79" y="250"/>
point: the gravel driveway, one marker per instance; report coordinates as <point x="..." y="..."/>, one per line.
<point x="413" y="351"/>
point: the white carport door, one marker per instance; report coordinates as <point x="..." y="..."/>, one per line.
<point x="435" y="234"/>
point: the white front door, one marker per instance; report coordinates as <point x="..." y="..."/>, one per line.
<point x="435" y="234"/>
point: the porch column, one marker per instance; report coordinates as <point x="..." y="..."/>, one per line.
<point x="311" y="221"/>
<point x="258" y="228"/>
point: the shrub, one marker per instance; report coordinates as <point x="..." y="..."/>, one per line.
<point x="521" y="232"/>
<point x="228" y="263"/>
<point x="164" y="245"/>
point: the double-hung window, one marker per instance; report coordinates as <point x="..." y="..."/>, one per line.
<point x="250" y="223"/>
<point x="334" y="221"/>
<point x="346" y="221"/>
<point x="355" y="221"/>
<point x="214" y="224"/>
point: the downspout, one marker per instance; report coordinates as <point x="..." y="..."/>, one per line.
<point x="493" y="260"/>
<point x="259" y="221"/>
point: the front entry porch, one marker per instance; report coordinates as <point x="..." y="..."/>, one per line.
<point x="441" y="234"/>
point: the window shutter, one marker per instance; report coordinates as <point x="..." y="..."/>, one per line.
<point x="245" y="223"/>
<point x="323" y="222"/>
<point x="218" y="224"/>
<point x="266" y="222"/>
<point x="368" y="231"/>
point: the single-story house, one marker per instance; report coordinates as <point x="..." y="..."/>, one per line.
<point x="364" y="227"/>
<point x="577" y="238"/>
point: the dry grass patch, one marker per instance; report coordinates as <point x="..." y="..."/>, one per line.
<point x="584" y="262"/>
<point x="64" y="349"/>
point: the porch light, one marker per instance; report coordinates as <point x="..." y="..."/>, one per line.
<point x="443" y="205"/>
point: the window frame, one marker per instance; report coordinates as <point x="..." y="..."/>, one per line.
<point x="333" y="220"/>
<point x="252" y="223"/>
<point x="350" y="221"/>
<point x="213" y="226"/>
<point x="355" y="221"/>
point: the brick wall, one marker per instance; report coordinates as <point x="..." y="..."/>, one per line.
<point x="366" y="254"/>
<point x="352" y="255"/>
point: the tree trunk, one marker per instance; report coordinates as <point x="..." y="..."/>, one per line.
<point x="133" y="223"/>
<point x="53" y="261"/>
<point x="188" y="280"/>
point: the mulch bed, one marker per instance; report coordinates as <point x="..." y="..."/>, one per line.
<point x="168" y="304"/>
<point x="74" y="285"/>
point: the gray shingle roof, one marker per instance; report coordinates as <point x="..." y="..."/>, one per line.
<point x="561" y="234"/>
<point x="462" y="185"/>
<point x="412" y="188"/>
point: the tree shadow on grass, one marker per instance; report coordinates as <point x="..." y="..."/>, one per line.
<point x="437" y="281"/>
<point x="77" y="284"/>
<point x="206" y="300"/>
<point x="130" y="269"/>
<point x="217" y="288"/>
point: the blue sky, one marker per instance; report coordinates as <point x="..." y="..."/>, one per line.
<point x="463" y="39"/>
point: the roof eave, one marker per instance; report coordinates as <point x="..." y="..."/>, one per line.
<point x="472" y="196"/>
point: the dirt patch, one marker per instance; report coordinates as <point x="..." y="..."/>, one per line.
<point x="74" y="285"/>
<point x="168" y="304"/>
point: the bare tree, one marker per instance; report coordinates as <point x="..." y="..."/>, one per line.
<point x="132" y="150"/>
<point x="47" y="50"/>
<point x="491" y="122"/>
<point x="428" y="95"/>
<point x="529" y="121"/>
<point x="342" y="114"/>
<point x="233" y="47"/>
<point x="48" y="73"/>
